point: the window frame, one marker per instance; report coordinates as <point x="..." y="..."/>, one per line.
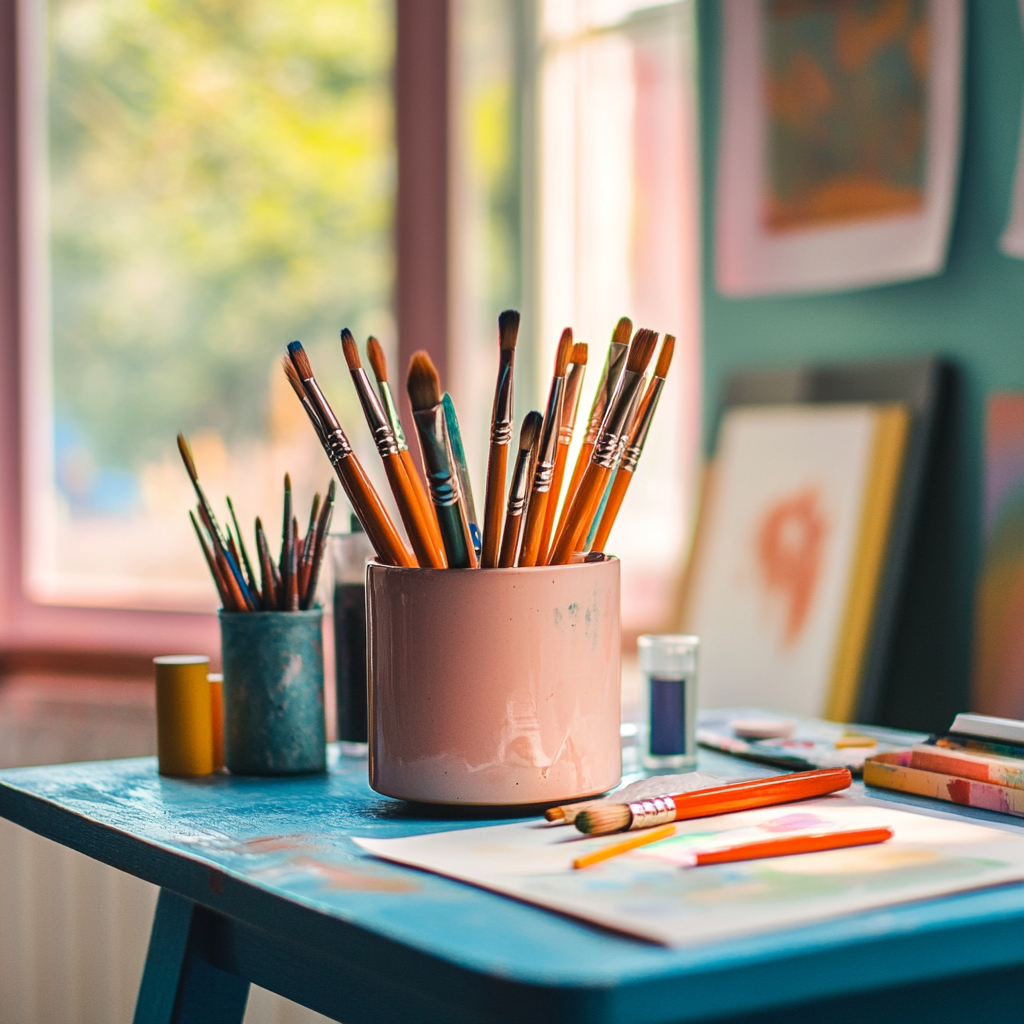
<point x="34" y="636"/>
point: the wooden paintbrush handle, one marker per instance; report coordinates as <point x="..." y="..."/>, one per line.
<point x="561" y="458"/>
<point x="369" y="510"/>
<point x="426" y="506"/>
<point x="582" y="461"/>
<point x="428" y="556"/>
<point x="509" y="541"/>
<point x="620" y="485"/>
<point x="534" y="527"/>
<point x="494" y="502"/>
<point x="580" y="514"/>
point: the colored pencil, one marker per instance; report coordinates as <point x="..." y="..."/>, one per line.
<point x="624" y="846"/>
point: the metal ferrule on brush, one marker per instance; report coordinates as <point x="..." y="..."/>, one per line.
<point x="658" y="811"/>
<point x="615" y="429"/>
<point x="376" y="418"/>
<point x="444" y="490"/>
<point x="332" y="436"/>
<point x="606" y="389"/>
<point x="387" y="399"/>
<point x="549" y="438"/>
<point x="501" y="418"/>
<point x="570" y="401"/>
<point x="631" y="456"/>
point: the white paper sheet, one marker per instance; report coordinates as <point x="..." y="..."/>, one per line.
<point x="645" y="893"/>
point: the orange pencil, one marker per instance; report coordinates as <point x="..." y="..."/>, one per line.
<point x="417" y="527"/>
<point x="702" y="803"/>
<point x="540" y="493"/>
<point x="613" y="364"/>
<point x="635" y="446"/>
<point x="607" y="451"/>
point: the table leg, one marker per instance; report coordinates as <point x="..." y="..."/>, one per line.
<point x="179" y="984"/>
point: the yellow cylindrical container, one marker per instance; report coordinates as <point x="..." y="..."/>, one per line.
<point x="216" y="680"/>
<point x="184" y="719"/>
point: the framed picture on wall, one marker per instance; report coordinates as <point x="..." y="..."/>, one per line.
<point x="839" y="142"/>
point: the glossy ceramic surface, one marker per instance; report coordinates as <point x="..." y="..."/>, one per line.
<point x="494" y="687"/>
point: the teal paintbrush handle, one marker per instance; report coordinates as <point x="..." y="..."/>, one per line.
<point x="453" y="533"/>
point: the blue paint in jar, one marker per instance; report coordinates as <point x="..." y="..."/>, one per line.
<point x="667" y="716"/>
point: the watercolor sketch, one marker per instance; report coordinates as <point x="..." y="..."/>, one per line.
<point x="647" y="893"/>
<point x="776" y="552"/>
<point x="839" y="142"/>
<point x="998" y="685"/>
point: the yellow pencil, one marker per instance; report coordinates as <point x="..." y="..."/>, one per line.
<point x="639" y="839"/>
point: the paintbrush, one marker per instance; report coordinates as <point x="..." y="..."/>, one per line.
<point x="451" y="420"/>
<point x="428" y="554"/>
<point x="226" y="600"/>
<point x="607" y="450"/>
<point x="424" y="388"/>
<point x="519" y="489"/>
<point x="635" y="446"/>
<point x="323" y="526"/>
<point x="285" y="560"/>
<point x="291" y="596"/>
<point x="270" y="598"/>
<point x="250" y="576"/>
<point x="604" y="818"/>
<point x="570" y="407"/>
<point x="501" y="437"/>
<point x="540" y="491"/>
<point x="362" y="496"/>
<point x="306" y="556"/>
<point x="239" y="598"/>
<point x="379" y="364"/>
<point x="613" y="364"/>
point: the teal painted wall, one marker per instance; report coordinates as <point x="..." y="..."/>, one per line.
<point x="973" y="314"/>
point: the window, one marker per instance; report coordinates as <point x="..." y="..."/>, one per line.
<point x="206" y="182"/>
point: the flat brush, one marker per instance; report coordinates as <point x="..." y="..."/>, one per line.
<point x="738" y="796"/>
<point x="528" y="434"/>
<point x="540" y="490"/>
<point x="451" y="420"/>
<point x="424" y="388"/>
<point x="635" y="445"/>
<point x="570" y="408"/>
<point x="613" y="364"/>
<point x="501" y="437"/>
<point x="269" y="595"/>
<point x="607" y="450"/>
<point x="379" y="364"/>
<point x="362" y="496"/>
<point x="428" y="554"/>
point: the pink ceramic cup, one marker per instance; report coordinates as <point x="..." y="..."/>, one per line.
<point x="494" y="686"/>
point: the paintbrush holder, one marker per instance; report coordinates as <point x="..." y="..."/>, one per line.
<point x="273" y="692"/>
<point x="494" y="686"/>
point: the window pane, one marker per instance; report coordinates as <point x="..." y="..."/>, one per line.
<point x="219" y="180"/>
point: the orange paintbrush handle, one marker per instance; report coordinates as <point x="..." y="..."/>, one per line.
<point x="494" y="500"/>
<point x="620" y="485"/>
<point x="557" y="476"/>
<point x="416" y="529"/>
<point x="787" y="845"/>
<point x="581" y="513"/>
<point x="779" y="789"/>
<point x="530" y="552"/>
<point x="582" y="461"/>
<point x="426" y="506"/>
<point x="369" y="510"/>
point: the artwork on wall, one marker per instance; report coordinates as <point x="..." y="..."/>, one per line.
<point x="998" y="685"/>
<point x="1012" y="242"/>
<point x="839" y="142"/>
<point x="790" y="547"/>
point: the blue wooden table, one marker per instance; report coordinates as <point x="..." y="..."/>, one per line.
<point x="261" y="883"/>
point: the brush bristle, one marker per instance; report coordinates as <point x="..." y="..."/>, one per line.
<point x="424" y="385"/>
<point x="564" y="352"/>
<point x="603" y="819"/>
<point x="300" y="359"/>
<point x="622" y="332"/>
<point x="668" y="348"/>
<point x="579" y="354"/>
<point x="641" y="350"/>
<point x="287" y="481"/>
<point x="186" y="457"/>
<point x="378" y="361"/>
<point x="331" y="490"/>
<point x="293" y="376"/>
<point x="530" y="430"/>
<point x="351" y="349"/>
<point x="508" y="329"/>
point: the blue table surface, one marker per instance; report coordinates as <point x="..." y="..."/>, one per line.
<point x="223" y="840"/>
